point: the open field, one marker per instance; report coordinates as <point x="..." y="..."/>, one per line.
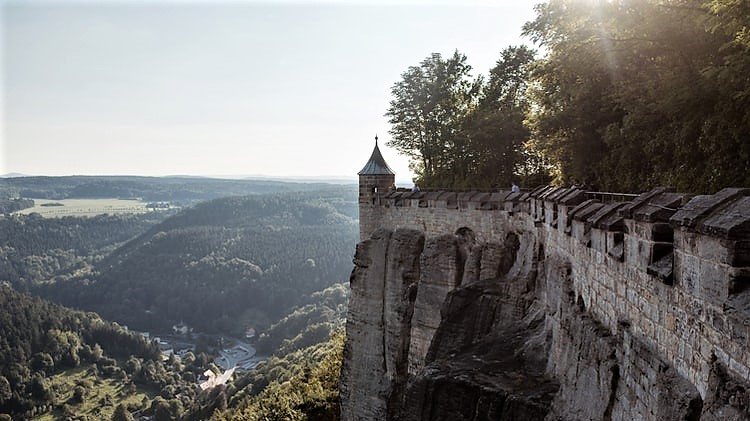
<point x="85" y="207"/>
<point x="99" y="400"/>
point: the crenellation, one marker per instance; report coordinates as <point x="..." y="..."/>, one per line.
<point x="580" y="227"/>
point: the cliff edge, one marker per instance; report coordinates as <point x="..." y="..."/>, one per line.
<point x="452" y="327"/>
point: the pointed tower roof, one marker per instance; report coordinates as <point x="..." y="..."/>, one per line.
<point x="376" y="165"/>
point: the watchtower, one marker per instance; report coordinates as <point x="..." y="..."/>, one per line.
<point x="375" y="179"/>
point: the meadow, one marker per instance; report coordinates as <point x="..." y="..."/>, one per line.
<point x="84" y="207"/>
<point x="96" y="398"/>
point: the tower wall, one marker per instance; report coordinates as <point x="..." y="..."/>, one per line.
<point x="371" y="187"/>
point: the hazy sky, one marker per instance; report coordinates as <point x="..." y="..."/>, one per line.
<point x="223" y="88"/>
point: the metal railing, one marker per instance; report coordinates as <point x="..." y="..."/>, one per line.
<point x="609" y="197"/>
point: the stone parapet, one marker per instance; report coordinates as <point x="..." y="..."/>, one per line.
<point x="712" y="242"/>
<point x="607" y="230"/>
<point x="580" y="228"/>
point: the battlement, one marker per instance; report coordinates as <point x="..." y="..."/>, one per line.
<point x="674" y="268"/>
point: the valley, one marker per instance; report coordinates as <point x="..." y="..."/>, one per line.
<point x="188" y="283"/>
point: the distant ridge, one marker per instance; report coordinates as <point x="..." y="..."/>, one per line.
<point x="305" y="179"/>
<point x="187" y="176"/>
<point x="329" y="179"/>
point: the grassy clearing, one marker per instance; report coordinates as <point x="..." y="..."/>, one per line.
<point x="85" y="207"/>
<point x="100" y="399"/>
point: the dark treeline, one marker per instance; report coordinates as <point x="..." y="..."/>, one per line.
<point x="35" y="249"/>
<point x="42" y="343"/>
<point x="15" y="204"/>
<point x="180" y="189"/>
<point x="627" y="95"/>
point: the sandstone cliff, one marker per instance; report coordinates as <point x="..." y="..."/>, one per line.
<point x="456" y="328"/>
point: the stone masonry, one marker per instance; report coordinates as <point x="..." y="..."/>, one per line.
<point x="664" y="275"/>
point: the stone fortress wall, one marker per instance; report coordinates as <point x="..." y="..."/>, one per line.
<point x="667" y="272"/>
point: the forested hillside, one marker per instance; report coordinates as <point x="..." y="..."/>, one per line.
<point x="300" y="379"/>
<point x="272" y="262"/>
<point x="76" y="365"/>
<point x="223" y="265"/>
<point x="34" y="250"/>
<point x="623" y="95"/>
<point x="304" y="386"/>
<point x="181" y="189"/>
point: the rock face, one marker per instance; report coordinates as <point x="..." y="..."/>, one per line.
<point x="453" y="328"/>
<point x="386" y="270"/>
<point x="482" y="364"/>
<point x="391" y="370"/>
<point x="442" y="261"/>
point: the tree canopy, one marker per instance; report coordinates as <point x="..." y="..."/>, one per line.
<point x="430" y="103"/>
<point x="627" y="95"/>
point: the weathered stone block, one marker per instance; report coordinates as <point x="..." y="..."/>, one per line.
<point x="699" y="207"/>
<point x="599" y="240"/>
<point x="713" y="285"/>
<point x="550" y="213"/>
<point x="642" y="200"/>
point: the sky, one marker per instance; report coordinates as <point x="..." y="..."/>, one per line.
<point x="223" y="88"/>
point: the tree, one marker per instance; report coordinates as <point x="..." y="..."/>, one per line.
<point x="79" y="394"/>
<point x="638" y="93"/>
<point x="429" y="105"/>
<point x="496" y="126"/>
<point x="5" y="390"/>
<point x="122" y="414"/>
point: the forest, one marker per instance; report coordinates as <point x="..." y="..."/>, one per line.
<point x="185" y="190"/>
<point x="40" y="340"/>
<point x="222" y="265"/>
<point x="219" y="266"/>
<point x="275" y="262"/>
<point x="35" y="250"/>
<point x="75" y="366"/>
<point x="620" y="96"/>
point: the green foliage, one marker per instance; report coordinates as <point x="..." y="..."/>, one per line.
<point x="122" y="414"/>
<point x="39" y="341"/>
<point x="629" y="95"/>
<point x="638" y="93"/>
<point x="299" y="342"/>
<point x="307" y="391"/>
<point x="307" y="325"/>
<point x="15" y="204"/>
<point x="495" y="128"/>
<point x="219" y="267"/>
<point x="430" y="103"/>
<point x="461" y="131"/>
<point x="222" y="265"/>
<point x="34" y="250"/>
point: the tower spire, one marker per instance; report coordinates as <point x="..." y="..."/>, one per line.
<point x="376" y="179"/>
<point x="376" y="164"/>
